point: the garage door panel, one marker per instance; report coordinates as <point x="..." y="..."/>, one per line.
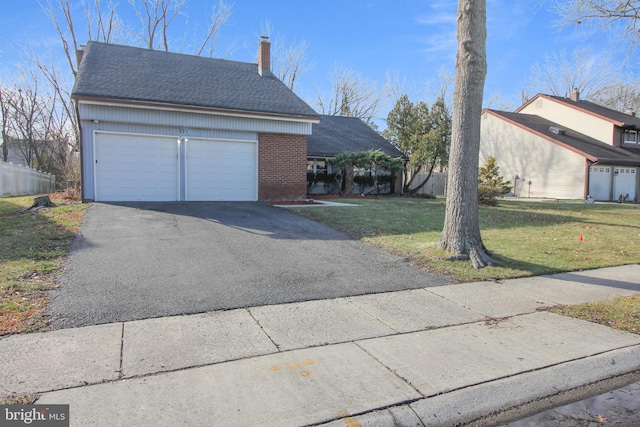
<point x="220" y="170"/>
<point x="136" y="168"/>
<point x="600" y="182"/>
<point x="147" y="168"/>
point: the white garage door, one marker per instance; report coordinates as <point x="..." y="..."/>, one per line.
<point x="136" y="168"/>
<point x="220" y="170"/>
<point x="600" y="182"/>
<point x="624" y="183"/>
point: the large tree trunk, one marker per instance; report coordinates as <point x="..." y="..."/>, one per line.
<point x="348" y="180"/>
<point x="461" y="232"/>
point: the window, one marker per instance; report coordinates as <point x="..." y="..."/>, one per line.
<point x="317" y="166"/>
<point x="630" y="137"/>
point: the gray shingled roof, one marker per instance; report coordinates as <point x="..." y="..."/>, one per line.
<point x="116" y="72"/>
<point x="603" y="153"/>
<point x="627" y="120"/>
<point x="336" y="135"/>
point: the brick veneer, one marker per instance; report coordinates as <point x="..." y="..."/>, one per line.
<point x="282" y="167"/>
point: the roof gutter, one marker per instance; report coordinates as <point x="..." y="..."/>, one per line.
<point x="608" y="161"/>
<point x="115" y="102"/>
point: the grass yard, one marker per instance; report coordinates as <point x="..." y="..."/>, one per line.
<point x="526" y="238"/>
<point x="33" y="246"/>
<point x="622" y="313"/>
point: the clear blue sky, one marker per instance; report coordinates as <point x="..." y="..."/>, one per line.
<point x="414" y="39"/>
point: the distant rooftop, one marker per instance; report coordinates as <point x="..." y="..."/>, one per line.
<point x="336" y="135"/>
<point x="597" y="150"/>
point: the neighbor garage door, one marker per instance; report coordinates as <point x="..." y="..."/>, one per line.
<point x="136" y="168"/>
<point x="220" y="170"/>
<point x="600" y="182"/>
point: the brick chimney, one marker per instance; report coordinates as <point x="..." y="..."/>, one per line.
<point x="264" y="56"/>
<point x="575" y="95"/>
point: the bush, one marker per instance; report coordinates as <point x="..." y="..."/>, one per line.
<point x="363" y="180"/>
<point x="314" y="178"/>
<point x="386" y="179"/>
<point x="488" y="195"/>
<point x="490" y="184"/>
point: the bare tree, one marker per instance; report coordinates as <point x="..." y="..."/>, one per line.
<point x="156" y="16"/>
<point x="620" y="95"/>
<point x="560" y="74"/>
<point x="289" y="61"/>
<point x="101" y="23"/>
<point x="351" y="96"/>
<point x="219" y="16"/>
<point x="461" y="232"/>
<point x="27" y="119"/>
<point x="598" y="79"/>
<point x="4" y="112"/>
<point x="606" y="15"/>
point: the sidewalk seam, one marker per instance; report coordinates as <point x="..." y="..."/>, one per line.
<point x="351" y="301"/>
<point x="262" y="329"/>
<point x="458" y="303"/>
<point x="404" y="380"/>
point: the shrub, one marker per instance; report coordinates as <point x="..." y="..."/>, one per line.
<point x="363" y="180"/>
<point x="490" y="184"/>
<point x="488" y="195"/>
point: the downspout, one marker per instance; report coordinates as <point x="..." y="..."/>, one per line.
<point x="81" y="150"/>
<point x="587" y="176"/>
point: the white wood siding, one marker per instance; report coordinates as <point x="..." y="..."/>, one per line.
<point x="146" y="121"/>
<point x="189" y="120"/>
<point x="571" y="118"/>
<point x="554" y="172"/>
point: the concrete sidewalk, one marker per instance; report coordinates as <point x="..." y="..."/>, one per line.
<point x="446" y="355"/>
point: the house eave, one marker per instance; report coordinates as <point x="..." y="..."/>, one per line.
<point x="575" y="107"/>
<point x="617" y="162"/>
<point x="542" y="135"/>
<point x="112" y="102"/>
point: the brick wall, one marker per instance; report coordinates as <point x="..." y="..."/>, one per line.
<point x="282" y="167"/>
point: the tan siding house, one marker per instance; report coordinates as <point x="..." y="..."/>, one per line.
<point x="589" y="124"/>
<point x="535" y="167"/>
<point x="564" y="148"/>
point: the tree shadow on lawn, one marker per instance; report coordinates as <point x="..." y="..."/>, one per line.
<point x="528" y="269"/>
<point x="432" y="222"/>
<point x="32" y="249"/>
<point x="30" y="235"/>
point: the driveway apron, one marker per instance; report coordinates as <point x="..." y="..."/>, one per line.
<point x="144" y="260"/>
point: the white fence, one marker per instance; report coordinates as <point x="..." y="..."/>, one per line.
<point x="16" y="180"/>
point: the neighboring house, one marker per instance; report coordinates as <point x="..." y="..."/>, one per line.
<point x="16" y="149"/>
<point x="160" y="126"/>
<point x="336" y="135"/>
<point x="565" y="148"/>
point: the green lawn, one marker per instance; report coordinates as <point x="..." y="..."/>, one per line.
<point x="526" y="238"/>
<point x="33" y="246"/>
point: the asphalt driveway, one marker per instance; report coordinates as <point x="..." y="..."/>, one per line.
<point x="144" y="260"/>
